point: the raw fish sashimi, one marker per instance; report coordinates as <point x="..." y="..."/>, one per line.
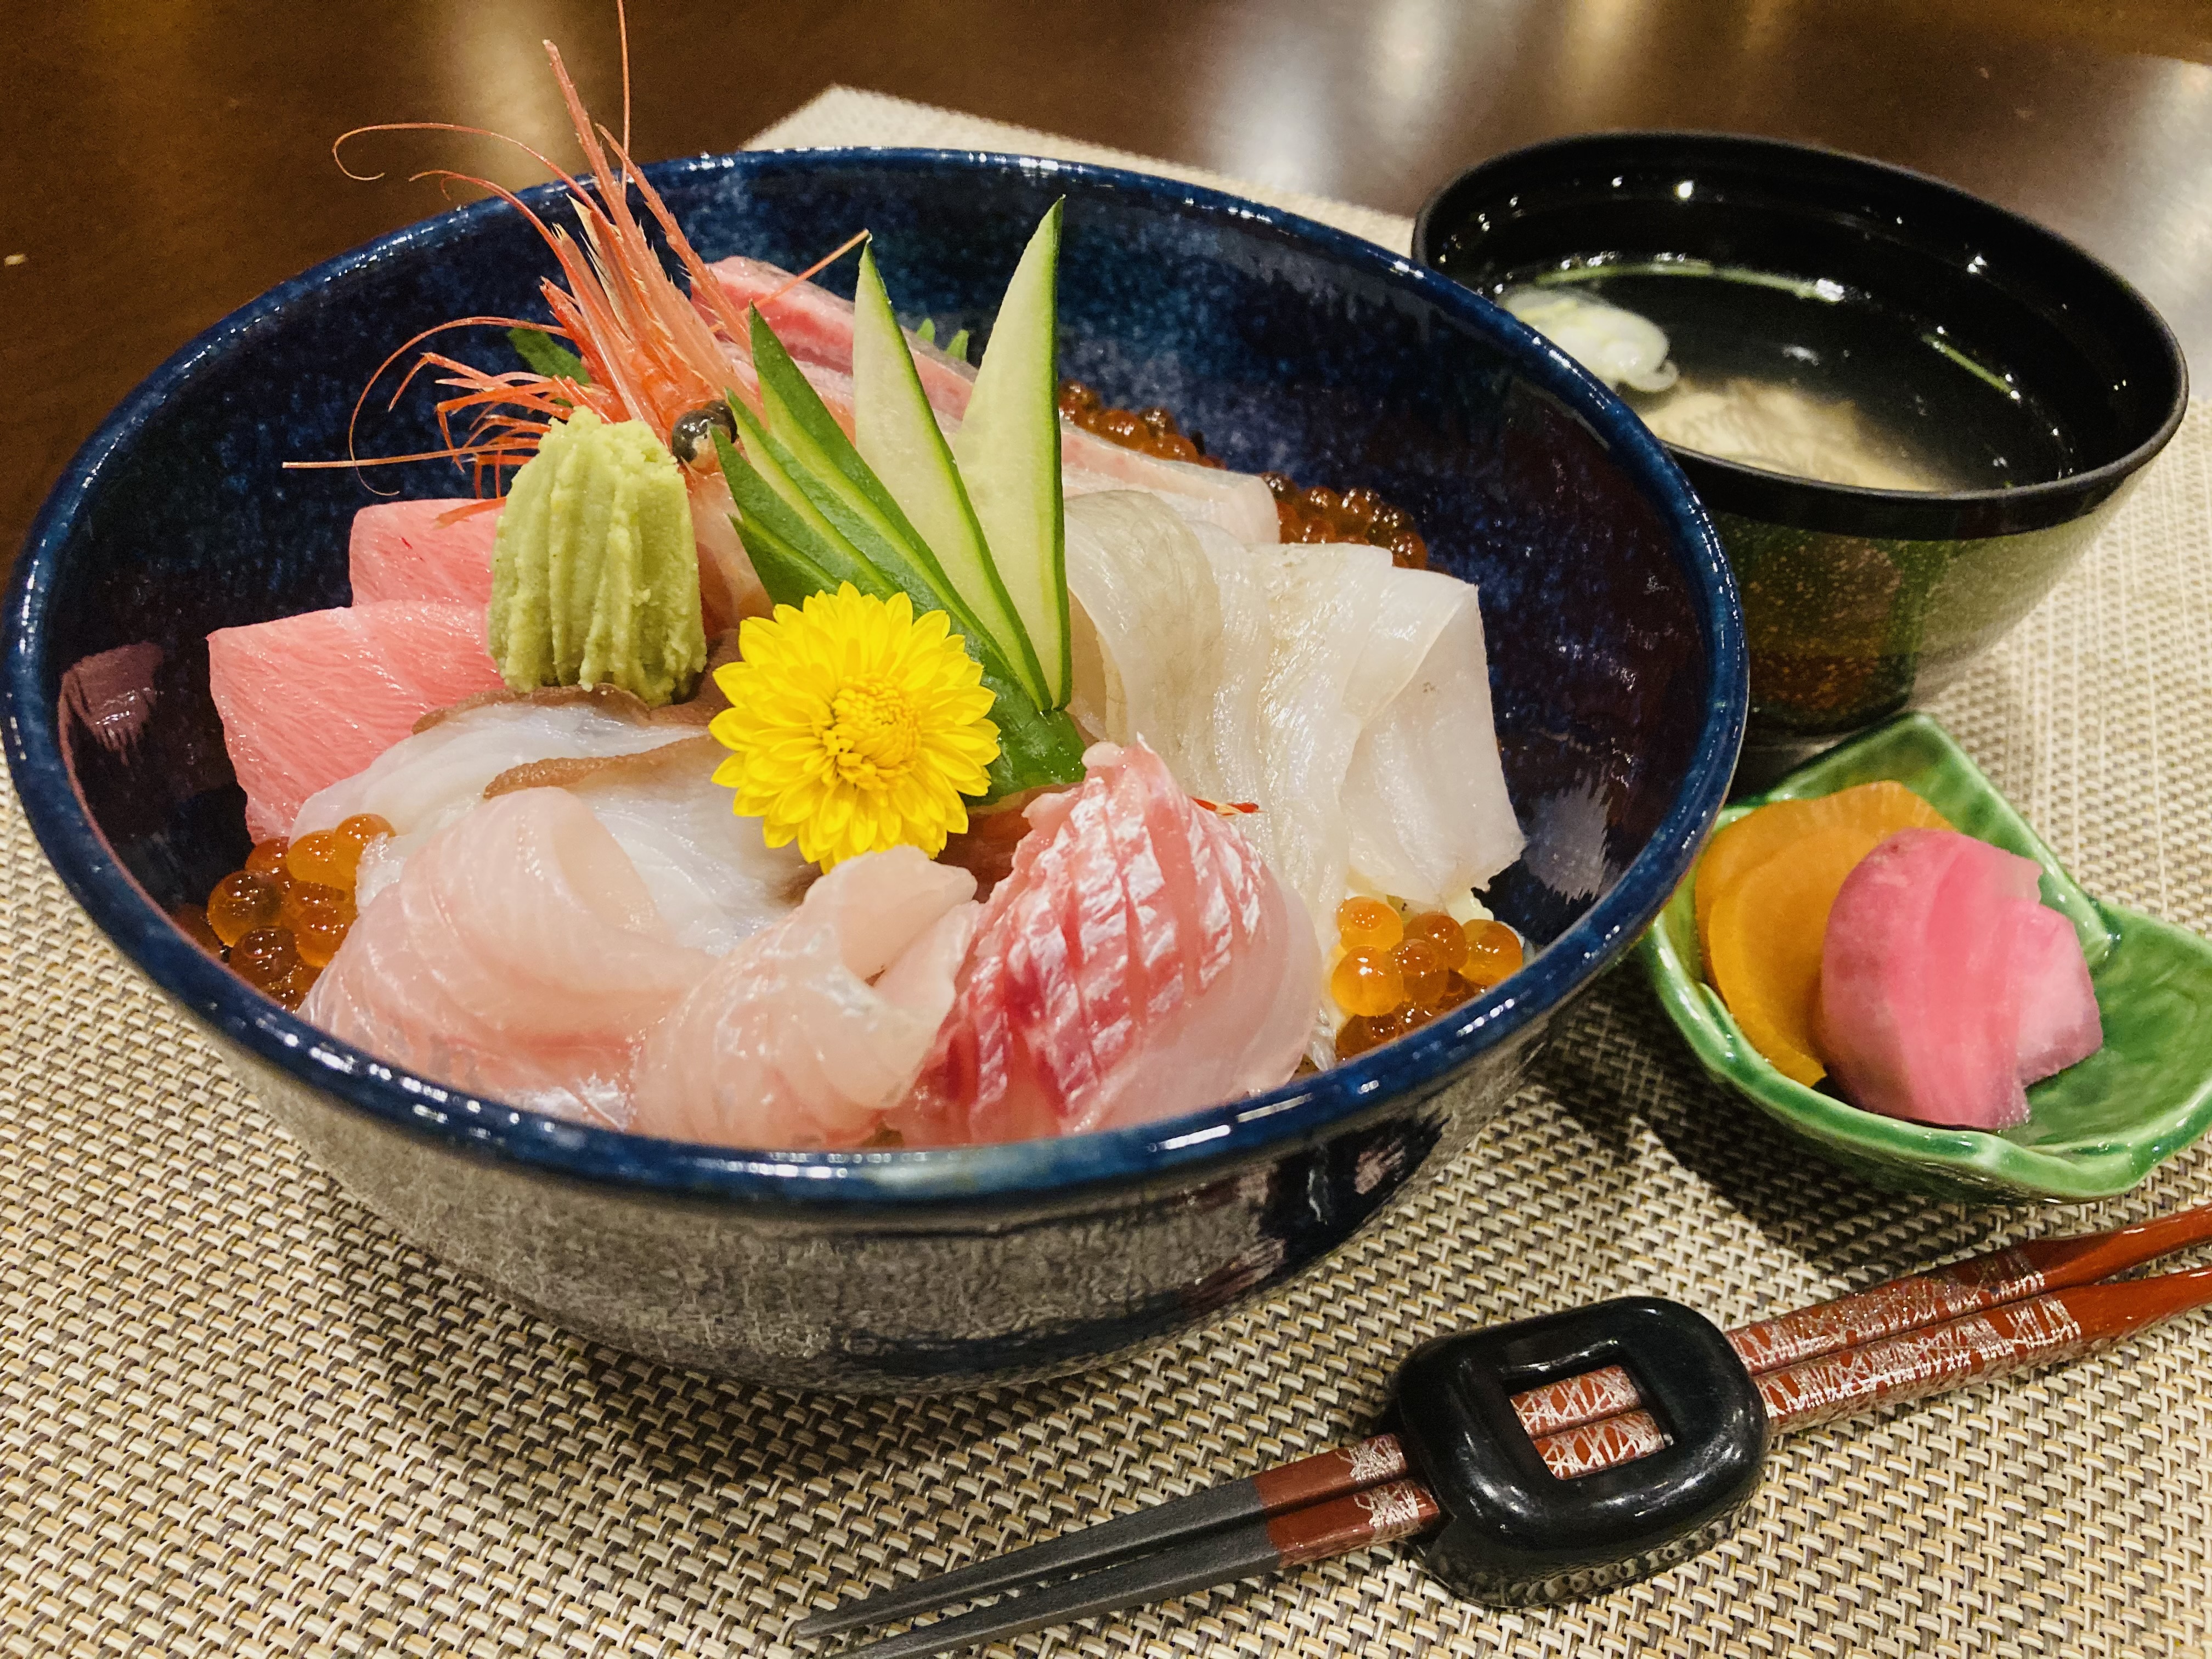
<point x="438" y="549"/>
<point x="816" y="326"/>
<point x="1139" y="963"/>
<point x="310" y="699"/>
<point x="1348" y="698"/>
<point x="786" y="1044"/>
<point x="712" y="875"/>
<point x="1920" y="999"/>
<point x="518" y="955"/>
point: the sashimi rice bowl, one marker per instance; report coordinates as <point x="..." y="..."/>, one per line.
<point x="876" y="810"/>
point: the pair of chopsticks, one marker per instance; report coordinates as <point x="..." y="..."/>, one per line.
<point x="2028" y="1304"/>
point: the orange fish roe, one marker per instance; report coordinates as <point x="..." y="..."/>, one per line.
<point x="1314" y="514"/>
<point x="1397" y="974"/>
<point x="1442" y="934"/>
<point x="1368" y="921"/>
<point x="1154" y="431"/>
<point x="1366" y="981"/>
<point x="1494" y="950"/>
<point x="280" y="920"/>
<point x="241" y="902"/>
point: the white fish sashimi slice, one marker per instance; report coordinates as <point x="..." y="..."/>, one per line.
<point x="425" y="781"/>
<point x="1348" y="698"/>
<point x="518" y="955"/>
<point x="711" y="873"/>
<point x="713" y="876"/>
<point x="786" y="1043"/>
<point x="1425" y="793"/>
<point x="1146" y="628"/>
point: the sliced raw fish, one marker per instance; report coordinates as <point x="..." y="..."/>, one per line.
<point x="1920" y="999"/>
<point x="310" y="699"/>
<point x="1138" y="963"/>
<point x="712" y="875"/>
<point x="2059" y="1023"/>
<point x="1349" y="699"/>
<point x="785" y="1043"/>
<point x="518" y="955"/>
<point x="816" y="326"/>
<point x="437" y="549"/>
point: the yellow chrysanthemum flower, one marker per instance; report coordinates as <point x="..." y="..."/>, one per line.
<point x="854" y="726"/>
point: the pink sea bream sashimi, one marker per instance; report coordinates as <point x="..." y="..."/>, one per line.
<point x="805" y="1033"/>
<point x="518" y="955"/>
<point x="435" y="549"/>
<point x="310" y="699"/>
<point x="1942" y="993"/>
<point x="1141" y="961"/>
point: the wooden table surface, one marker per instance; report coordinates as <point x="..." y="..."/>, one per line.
<point x="164" y="162"/>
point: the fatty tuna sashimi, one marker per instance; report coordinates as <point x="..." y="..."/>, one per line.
<point x="310" y="699"/>
<point x="2059" y="1023"/>
<point x="1920" y="999"/>
<point x="648" y="777"/>
<point x="438" y="549"/>
<point x="1141" y="961"/>
<point x="518" y="955"/>
<point x="816" y="326"/>
<point x="806" y="1033"/>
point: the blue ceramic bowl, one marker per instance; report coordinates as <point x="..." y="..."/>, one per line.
<point x="1617" y="664"/>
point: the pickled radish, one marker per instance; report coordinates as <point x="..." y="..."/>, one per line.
<point x="2059" y="1023"/>
<point x="1940" y="984"/>
<point x="1764" y="950"/>
<point x="1743" y="847"/>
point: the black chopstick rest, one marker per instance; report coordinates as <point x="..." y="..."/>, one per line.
<point x="1517" y="1535"/>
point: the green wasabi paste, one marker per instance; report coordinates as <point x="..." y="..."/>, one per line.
<point x="595" y="577"/>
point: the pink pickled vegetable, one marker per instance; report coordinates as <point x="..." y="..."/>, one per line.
<point x="310" y="699"/>
<point x="1941" y="992"/>
<point x="2058" y="1020"/>
<point x="439" y="549"/>
<point x="1141" y="961"/>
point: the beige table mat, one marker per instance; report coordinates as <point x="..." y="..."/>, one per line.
<point x="238" y="1416"/>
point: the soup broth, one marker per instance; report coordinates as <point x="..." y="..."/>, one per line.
<point x="1807" y="377"/>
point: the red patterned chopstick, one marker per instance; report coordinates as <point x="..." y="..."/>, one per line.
<point x="1887" y="1309"/>
<point x="2037" y="1331"/>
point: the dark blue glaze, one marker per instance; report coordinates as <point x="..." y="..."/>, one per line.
<point x="1617" y="666"/>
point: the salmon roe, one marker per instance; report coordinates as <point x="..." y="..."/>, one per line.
<point x="1368" y="921"/>
<point x="1366" y="981"/>
<point x="1312" y="514"/>
<point x="1494" y="950"/>
<point x="280" y="920"/>
<point x="1397" y="973"/>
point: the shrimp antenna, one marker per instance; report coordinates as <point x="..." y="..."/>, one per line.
<point x="819" y="265"/>
<point x="622" y="28"/>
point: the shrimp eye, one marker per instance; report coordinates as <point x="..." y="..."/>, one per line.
<point x="692" y="435"/>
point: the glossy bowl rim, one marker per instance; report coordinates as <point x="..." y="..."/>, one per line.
<point x="1183" y="1150"/>
<point x="1816" y="505"/>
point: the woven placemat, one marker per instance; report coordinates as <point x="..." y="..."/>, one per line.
<point x="239" y="1416"/>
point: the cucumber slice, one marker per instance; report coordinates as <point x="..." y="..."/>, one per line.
<point x="1008" y="451"/>
<point x="896" y="434"/>
<point x="795" y="551"/>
